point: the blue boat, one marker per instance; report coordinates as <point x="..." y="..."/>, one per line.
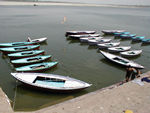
<point x="26" y="54"/>
<point x="127" y="36"/>
<point x="121" y="33"/>
<point x="36" y="67"/>
<point x="138" y="38"/>
<point x="19" y="48"/>
<point x="30" y="60"/>
<point x="145" y="41"/>
<point x="16" y="44"/>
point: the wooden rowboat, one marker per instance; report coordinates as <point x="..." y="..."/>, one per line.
<point x="145" y="41"/>
<point x="119" y="49"/>
<point x="84" y="35"/>
<point x="108" y="45"/>
<point x="13" y="44"/>
<point x="79" y="32"/>
<point x="85" y="39"/>
<point x="19" y="48"/>
<point x="100" y="41"/>
<point x="25" y="54"/>
<point x="127" y="36"/>
<point x="111" y="32"/>
<point x="51" y="82"/>
<point x="121" y="60"/>
<point x="38" y="40"/>
<point x="30" y="60"/>
<point x="138" y="38"/>
<point x="121" y="33"/>
<point x="131" y="53"/>
<point x="37" y="67"/>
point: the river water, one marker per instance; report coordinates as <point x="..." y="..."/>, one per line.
<point x="77" y="60"/>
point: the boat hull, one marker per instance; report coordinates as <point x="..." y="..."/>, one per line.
<point x="33" y="53"/>
<point x="84" y="35"/>
<point x="15" y="44"/>
<point x="30" y="60"/>
<point x="118" y="49"/>
<point x="19" y="49"/>
<point x="79" y="32"/>
<point x="39" y="40"/>
<point x="111" y="32"/>
<point x="30" y="79"/>
<point x="121" y="61"/>
<point x="107" y="45"/>
<point x="130" y="53"/>
<point x="39" y="67"/>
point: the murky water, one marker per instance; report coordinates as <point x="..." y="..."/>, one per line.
<point x="77" y="60"/>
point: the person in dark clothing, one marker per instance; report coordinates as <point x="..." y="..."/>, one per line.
<point x="129" y="71"/>
<point x="135" y="73"/>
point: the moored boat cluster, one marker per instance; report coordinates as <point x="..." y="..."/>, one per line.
<point x="107" y="44"/>
<point x="26" y="57"/>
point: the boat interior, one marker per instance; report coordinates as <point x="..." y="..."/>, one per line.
<point x="27" y="53"/>
<point x="21" y="48"/>
<point x="120" y="60"/>
<point x="49" y="81"/>
<point x="34" y="59"/>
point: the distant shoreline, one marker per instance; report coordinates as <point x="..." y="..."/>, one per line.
<point x="36" y="3"/>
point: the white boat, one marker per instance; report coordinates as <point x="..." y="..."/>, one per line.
<point x="95" y="42"/>
<point x="108" y="45"/>
<point x="84" y="35"/>
<point x="38" y="40"/>
<point x="111" y="32"/>
<point x="119" y="49"/>
<point x="51" y="82"/>
<point x="85" y="39"/>
<point x="79" y="32"/>
<point x="131" y="53"/>
<point x="121" y="60"/>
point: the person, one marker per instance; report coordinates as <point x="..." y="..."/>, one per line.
<point x="129" y="71"/>
<point x="135" y="73"/>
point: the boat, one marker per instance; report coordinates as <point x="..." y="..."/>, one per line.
<point x="138" y="38"/>
<point x="25" y="54"/>
<point x="14" y="44"/>
<point x="84" y="35"/>
<point x="145" y="41"/>
<point x="121" y="33"/>
<point x="95" y="42"/>
<point x="131" y="53"/>
<point x="127" y="36"/>
<point x="111" y="32"/>
<point x="85" y="39"/>
<point x="19" y="48"/>
<point x="121" y="60"/>
<point x="108" y="45"/>
<point x="79" y="32"/>
<point x="38" y="40"/>
<point x="30" y="60"/>
<point x="36" y="67"/>
<point x="119" y="49"/>
<point x="51" y="82"/>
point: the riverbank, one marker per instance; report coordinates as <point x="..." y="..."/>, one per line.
<point x="36" y="3"/>
<point x="113" y="99"/>
<point x="5" y="106"/>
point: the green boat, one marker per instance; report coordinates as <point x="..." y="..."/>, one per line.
<point x="37" y="67"/>
<point x="16" y="44"/>
<point x="19" y="48"/>
<point x="30" y="60"/>
<point x="25" y="54"/>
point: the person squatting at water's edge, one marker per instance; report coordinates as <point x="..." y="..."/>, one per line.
<point x="131" y="73"/>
